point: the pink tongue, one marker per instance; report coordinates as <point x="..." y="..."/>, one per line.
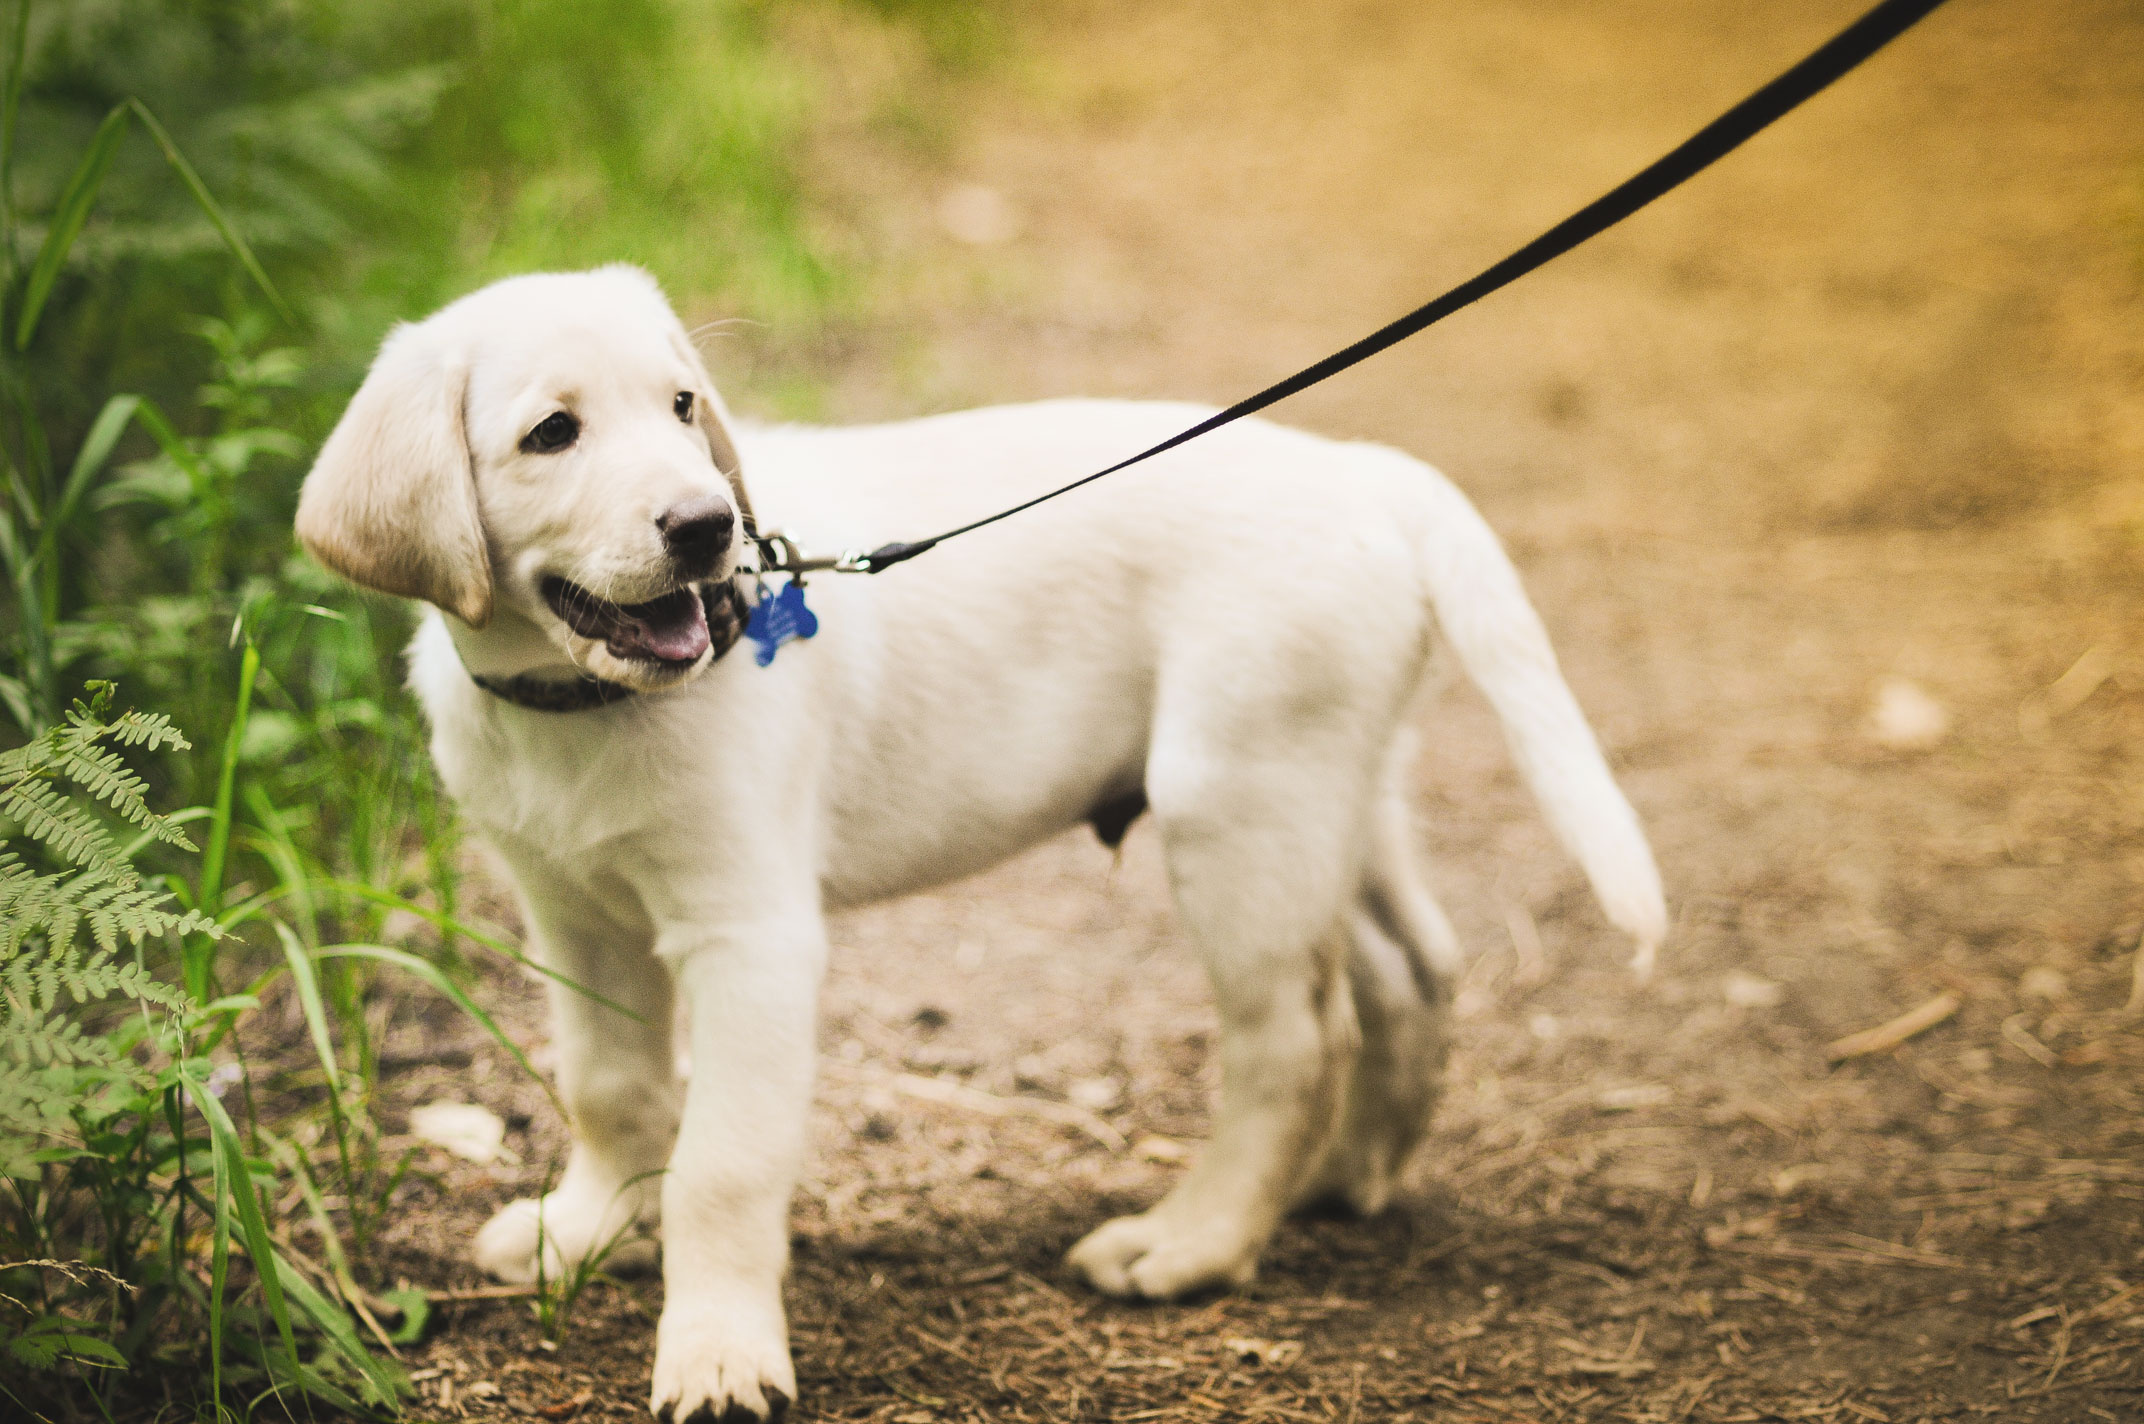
<point x="673" y="629"/>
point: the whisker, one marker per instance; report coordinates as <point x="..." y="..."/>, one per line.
<point x="720" y="327"/>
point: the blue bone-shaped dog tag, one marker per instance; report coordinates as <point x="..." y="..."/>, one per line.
<point x="778" y="618"/>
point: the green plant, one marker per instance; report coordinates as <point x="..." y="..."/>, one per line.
<point x="52" y="1063"/>
<point x="40" y="520"/>
<point x="129" y="1124"/>
<point x="113" y="1129"/>
<point x="135" y="1211"/>
<point x="556" y="1297"/>
<point x="130" y="1129"/>
<point x="163" y="1142"/>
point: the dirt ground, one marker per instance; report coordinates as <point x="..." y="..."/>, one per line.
<point x="1862" y="404"/>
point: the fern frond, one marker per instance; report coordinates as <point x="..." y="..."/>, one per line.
<point x="150" y="731"/>
<point x="70" y="831"/>
<point x="100" y="772"/>
<point x="63" y="790"/>
<point x="53" y="907"/>
<point x="27" y="760"/>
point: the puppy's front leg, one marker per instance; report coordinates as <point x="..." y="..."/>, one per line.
<point x="751" y="993"/>
<point x="615" y="1076"/>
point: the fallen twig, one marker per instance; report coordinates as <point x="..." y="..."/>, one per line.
<point x="1526" y="943"/>
<point x="1896" y="1031"/>
<point x="567" y="1408"/>
<point x="1853" y="1255"/>
<point x="483" y="1293"/>
<point x="975" y="1100"/>
<point x="2107" y="1306"/>
<point x="2020" y="1038"/>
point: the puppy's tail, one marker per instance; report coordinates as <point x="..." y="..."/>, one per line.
<point x="1500" y="642"/>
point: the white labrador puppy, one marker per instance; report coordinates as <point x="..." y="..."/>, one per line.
<point x="1233" y="634"/>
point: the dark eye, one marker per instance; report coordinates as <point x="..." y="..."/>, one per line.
<point x="554" y="432"/>
<point x="683" y="406"/>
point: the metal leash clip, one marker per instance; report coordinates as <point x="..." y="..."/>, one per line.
<point x="779" y="553"/>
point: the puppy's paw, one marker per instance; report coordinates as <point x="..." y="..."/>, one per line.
<point x="567" y="1232"/>
<point x="506" y="1246"/>
<point x="1155" y="1257"/>
<point x="721" y="1366"/>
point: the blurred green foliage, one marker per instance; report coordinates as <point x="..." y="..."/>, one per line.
<point x="156" y="417"/>
<point x="385" y="155"/>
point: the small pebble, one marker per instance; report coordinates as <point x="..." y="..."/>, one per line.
<point x="1905" y="718"/>
<point x="1747" y="991"/>
<point x="2043" y="981"/>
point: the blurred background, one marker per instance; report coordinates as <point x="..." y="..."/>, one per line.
<point x="1824" y="472"/>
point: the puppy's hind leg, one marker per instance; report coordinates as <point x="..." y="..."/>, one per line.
<point x="1259" y="879"/>
<point x="1403" y="965"/>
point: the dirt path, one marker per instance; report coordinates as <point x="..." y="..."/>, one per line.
<point x="1864" y="403"/>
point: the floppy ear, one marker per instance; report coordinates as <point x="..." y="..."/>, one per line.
<point x="391" y="502"/>
<point x="713" y="418"/>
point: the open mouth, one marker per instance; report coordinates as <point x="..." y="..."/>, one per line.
<point x="671" y="630"/>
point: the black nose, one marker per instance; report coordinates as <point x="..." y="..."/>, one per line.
<point x="696" y="531"/>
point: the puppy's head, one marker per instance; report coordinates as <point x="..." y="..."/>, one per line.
<point x="550" y="445"/>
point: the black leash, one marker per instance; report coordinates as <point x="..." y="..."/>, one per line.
<point x="1842" y="53"/>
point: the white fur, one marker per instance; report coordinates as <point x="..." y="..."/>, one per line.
<point x="1239" y="627"/>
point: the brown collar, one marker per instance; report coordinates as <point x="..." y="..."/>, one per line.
<point x="725" y="625"/>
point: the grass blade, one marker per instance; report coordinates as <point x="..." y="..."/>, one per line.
<point x="18" y="493"/>
<point x="277" y="845"/>
<point x="67" y="219"/>
<point x="15" y="696"/>
<point x="338" y="1263"/>
<point x="173" y="445"/>
<point x="10" y="541"/>
<point x="212" y="209"/>
<point x="392" y="901"/>
<point x="104" y="433"/>
<point x="210" y="897"/>
<point x="110" y="424"/>
<point x="316" y="1014"/>
<point x="429" y="973"/>
<point x="10" y="106"/>
<point x="382" y="1379"/>
<point x="235" y="1185"/>
<point x="219" y="1270"/>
